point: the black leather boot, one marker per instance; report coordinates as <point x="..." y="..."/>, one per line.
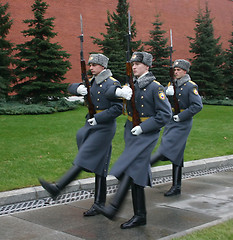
<point x="139" y="218"/>
<point x="176" y="178"/>
<point x="111" y="210"/>
<point x="100" y="195"/>
<point x="156" y="157"/>
<point x="54" y="189"/>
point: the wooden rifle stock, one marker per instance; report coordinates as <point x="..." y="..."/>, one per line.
<point x="85" y="80"/>
<point x="135" y="114"/>
<point x="175" y="101"/>
<point x="87" y="98"/>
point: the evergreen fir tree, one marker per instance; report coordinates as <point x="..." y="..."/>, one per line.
<point x="114" y="43"/>
<point x="228" y="69"/>
<point x="41" y="65"/>
<point x="6" y="76"/>
<point x="160" y="52"/>
<point x="207" y="62"/>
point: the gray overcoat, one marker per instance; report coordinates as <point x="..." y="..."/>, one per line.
<point x="155" y="111"/>
<point x="175" y="134"/>
<point x="95" y="142"/>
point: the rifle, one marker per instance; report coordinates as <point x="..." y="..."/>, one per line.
<point x="85" y="80"/>
<point x="135" y="115"/>
<point x="171" y="73"/>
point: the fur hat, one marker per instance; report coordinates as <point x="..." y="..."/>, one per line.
<point x="183" y="64"/>
<point x="98" y="59"/>
<point x="143" y="57"/>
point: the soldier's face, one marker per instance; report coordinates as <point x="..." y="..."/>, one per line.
<point x="179" y="73"/>
<point x="139" y="69"/>
<point x="95" y="68"/>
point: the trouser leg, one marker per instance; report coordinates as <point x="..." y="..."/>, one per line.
<point x="115" y="204"/>
<point x="54" y="189"/>
<point x="100" y="195"/>
<point x="176" y="179"/>
<point x="139" y="206"/>
<point x="156" y="157"/>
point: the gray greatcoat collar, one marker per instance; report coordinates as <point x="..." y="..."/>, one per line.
<point x="183" y="80"/>
<point x="145" y="80"/>
<point x="102" y="76"/>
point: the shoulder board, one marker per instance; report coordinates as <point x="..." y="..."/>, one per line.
<point x="113" y="78"/>
<point x="169" y="84"/>
<point x="115" y="82"/>
<point x="192" y="82"/>
<point x="157" y="82"/>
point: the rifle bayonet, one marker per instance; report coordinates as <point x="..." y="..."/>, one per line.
<point x="171" y="38"/>
<point x="171" y="48"/>
<point x="81" y="38"/>
<point x="129" y="23"/>
<point x="87" y="98"/>
<point x="128" y="38"/>
<point x="135" y="115"/>
<point x="174" y="100"/>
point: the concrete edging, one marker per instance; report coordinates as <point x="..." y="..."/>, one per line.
<point x="34" y="193"/>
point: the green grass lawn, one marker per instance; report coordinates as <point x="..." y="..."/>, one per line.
<point x="35" y="146"/>
<point x="223" y="231"/>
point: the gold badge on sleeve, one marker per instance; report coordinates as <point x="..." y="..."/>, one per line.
<point x="195" y="91"/>
<point x="162" y="95"/>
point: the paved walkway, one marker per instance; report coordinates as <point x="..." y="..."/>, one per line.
<point x="205" y="200"/>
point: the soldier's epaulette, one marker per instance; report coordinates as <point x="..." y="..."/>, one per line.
<point x="192" y="82"/>
<point x="157" y="82"/>
<point x="114" y="80"/>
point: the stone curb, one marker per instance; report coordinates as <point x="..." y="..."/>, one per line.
<point x="35" y="193"/>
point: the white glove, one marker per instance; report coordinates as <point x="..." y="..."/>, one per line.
<point x="125" y="92"/>
<point x="136" y="130"/>
<point x="82" y="90"/>
<point x="92" y="121"/>
<point x="176" y="118"/>
<point x="170" y="91"/>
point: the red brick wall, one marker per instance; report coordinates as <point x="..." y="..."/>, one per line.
<point x="178" y="15"/>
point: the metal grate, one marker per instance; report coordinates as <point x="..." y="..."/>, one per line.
<point x="193" y="174"/>
<point x="82" y="195"/>
<point x="63" y="199"/>
<point x="206" y="172"/>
